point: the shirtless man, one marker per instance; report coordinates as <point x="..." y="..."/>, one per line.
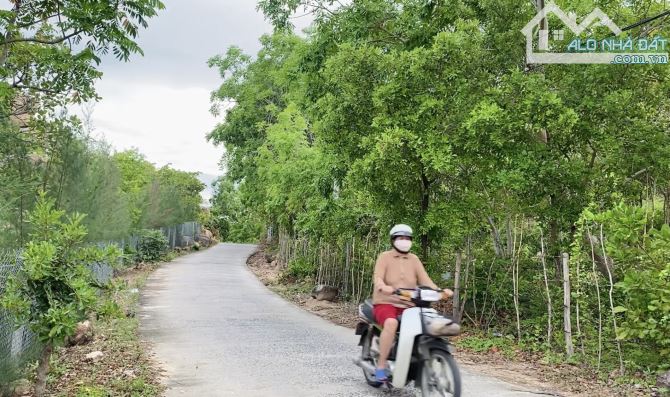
<point x="397" y="268"/>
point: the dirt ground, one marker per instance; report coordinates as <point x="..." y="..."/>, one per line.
<point x="126" y="366"/>
<point x="520" y="369"/>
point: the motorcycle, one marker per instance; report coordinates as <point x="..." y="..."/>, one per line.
<point x="421" y="351"/>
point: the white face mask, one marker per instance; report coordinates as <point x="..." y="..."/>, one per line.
<point x="402" y="245"/>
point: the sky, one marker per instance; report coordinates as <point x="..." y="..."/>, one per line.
<point x="159" y="103"/>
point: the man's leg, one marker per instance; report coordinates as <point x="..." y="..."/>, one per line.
<point x="386" y="341"/>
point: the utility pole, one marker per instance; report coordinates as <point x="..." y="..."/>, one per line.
<point x="543" y="42"/>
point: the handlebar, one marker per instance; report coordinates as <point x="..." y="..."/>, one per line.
<point x="423" y="294"/>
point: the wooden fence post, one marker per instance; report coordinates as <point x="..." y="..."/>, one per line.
<point x="567" y="328"/>
<point x="546" y="288"/>
<point x="456" y="313"/>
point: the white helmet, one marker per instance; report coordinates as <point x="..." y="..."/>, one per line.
<point x="400" y="230"/>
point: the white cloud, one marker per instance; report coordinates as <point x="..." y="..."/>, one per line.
<point x="167" y="124"/>
<point x="159" y="103"/>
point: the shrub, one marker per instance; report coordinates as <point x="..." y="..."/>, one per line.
<point x="129" y="256"/>
<point x="152" y="246"/>
<point x="55" y="288"/>
<point x="300" y="269"/>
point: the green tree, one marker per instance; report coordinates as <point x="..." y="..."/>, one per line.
<point x="233" y="220"/>
<point x="55" y="288"/>
<point x="426" y="112"/>
<point x="171" y="198"/>
<point x="136" y="176"/>
<point x="50" y="49"/>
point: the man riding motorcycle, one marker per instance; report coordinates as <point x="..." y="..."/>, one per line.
<point x="394" y="269"/>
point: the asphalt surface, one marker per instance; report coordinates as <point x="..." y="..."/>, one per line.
<point x="219" y="332"/>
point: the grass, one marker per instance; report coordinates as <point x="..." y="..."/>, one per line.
<point x="125" y="369"/>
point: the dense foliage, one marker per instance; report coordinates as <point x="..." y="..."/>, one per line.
<point x="152" y="246"/>
<point x="49" y="56"/>
<point x="426" y="113"/>
<point x="121" y="193"/>
<point x="55" y="289"/>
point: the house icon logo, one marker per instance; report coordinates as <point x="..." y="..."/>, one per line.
<point x="589" y="50"/>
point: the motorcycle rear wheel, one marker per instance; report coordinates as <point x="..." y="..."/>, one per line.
<point x="440" y="376"/>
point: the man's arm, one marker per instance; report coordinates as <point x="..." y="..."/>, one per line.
<point x="380" y="272"/>
<point x="422" y="276"/>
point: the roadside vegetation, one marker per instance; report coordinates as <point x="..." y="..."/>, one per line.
<point x="87" y="329"/>
<point x="49" y="63"/>
<point x="541" y="193"/>
<point x="63" y="195"/>
<point x="125" y="367"/>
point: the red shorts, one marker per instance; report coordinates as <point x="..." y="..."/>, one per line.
<point x="384" y="311"/>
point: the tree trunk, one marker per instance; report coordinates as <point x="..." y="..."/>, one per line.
<point x="510" y="242"/>
<point x="546" y="287"/>
<point x="425" y="203"/>
<point x="516" y="253"/>
<point x="495" y="235"/>
<point x="567" y="327"/>
<point x="42" y="371"/>
<point x="554" y="248"/>
<point x="596" y="277"/>
<point x="456" y="313"/>
<point x="21" y="206"/>
<point x="468" y="260"/>
<point x="611" y="298"/>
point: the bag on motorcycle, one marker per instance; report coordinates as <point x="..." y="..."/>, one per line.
<point x="437" y="325"/>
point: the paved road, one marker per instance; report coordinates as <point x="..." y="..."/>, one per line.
<point x="219" y="332"/>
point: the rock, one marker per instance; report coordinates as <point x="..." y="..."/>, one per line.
<point x="203" y="240"/>
<point x="663" y="380"/>
<point x="82" y="334"/>
<point x="273" y="263"/>
<point x="129" y="373"/>
<point x="268" y="258"/>
<point x="94" y="356"/>
<point x="324" y="293"/>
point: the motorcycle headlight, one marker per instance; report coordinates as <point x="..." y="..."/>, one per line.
<point x="430" y="295"/>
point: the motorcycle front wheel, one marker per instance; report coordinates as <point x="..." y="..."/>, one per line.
<point x="440" y="376"/>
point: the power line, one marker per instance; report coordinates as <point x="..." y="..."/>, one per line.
<point x="647" y="20"/>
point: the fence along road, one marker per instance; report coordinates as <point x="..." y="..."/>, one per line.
<point x="219" y="332"/>
<point x="17" y="346"/>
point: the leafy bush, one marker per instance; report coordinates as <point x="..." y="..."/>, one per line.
<point x="129" y="256"/>
<point x="55" y="288"/>
<point x="642" y="255"/>
<point x="300" y="269"/>
<point x="152" y="247"/>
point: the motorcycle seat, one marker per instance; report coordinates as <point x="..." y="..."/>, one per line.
<point x="365" y="311"/>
